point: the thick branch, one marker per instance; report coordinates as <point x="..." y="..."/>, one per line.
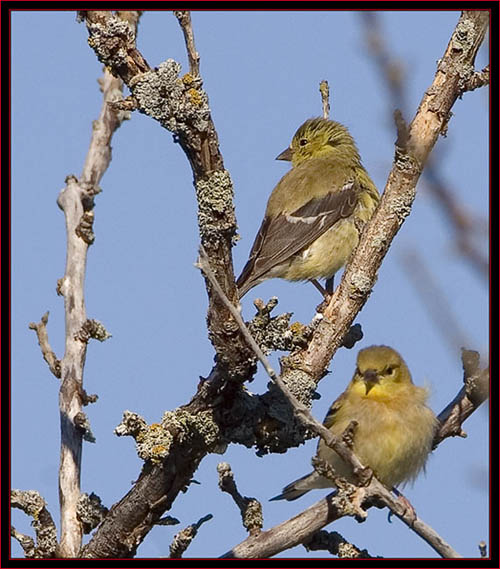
<point x="77" y="202"/>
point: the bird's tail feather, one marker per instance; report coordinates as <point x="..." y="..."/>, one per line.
<point x="301" y="486"/>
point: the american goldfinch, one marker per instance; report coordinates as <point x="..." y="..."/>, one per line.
<point x="395" y="427"/>
<point x="314" y="215"/>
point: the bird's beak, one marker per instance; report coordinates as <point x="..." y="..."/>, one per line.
<point x="285" y="155"/>
<point x="370" y="378"/>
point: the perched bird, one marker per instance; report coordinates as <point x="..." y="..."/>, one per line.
<point x="395" y="427"/>
<point x="314" y="214"/>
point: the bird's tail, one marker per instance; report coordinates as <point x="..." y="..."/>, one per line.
<point x="299" y="487"/>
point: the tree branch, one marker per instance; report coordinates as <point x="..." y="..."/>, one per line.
<point x="250" y="508"/>
<point x="335" y="544"/>
<point x="184" y="18"/>
<point x="77" y="202"/>
<point x="43" y="341"/>
<point x="474" y="392"/>
<point x="32" y="504"/>
<point x="183" y="539"/>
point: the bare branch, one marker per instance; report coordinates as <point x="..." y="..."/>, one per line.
<point x="32" y="504"/>
<point x="250" y="508"/>
<point x="477" y="79"/>
<point x="184" y="110"/>
<point x="324" y="89"/>
<point x="184" y="17"/>
<point x="25" y="541"/>
<point x="43" y="341"/>
<point x="183" y="539"/>
<point x="77" y="202"/>
<point x="474" y="392"/>
<point x="335" y="544"/>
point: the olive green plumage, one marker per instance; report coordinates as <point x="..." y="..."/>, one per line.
<point x="314" y="214"/>
<point x="395" y="427"/>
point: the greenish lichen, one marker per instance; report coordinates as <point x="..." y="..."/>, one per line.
<point x="360" y="282"/>
<point x="301" y="385"/>
<point x="106" y="39"/>
<point x="154" y="443"/>
<point x="215" y="201"/>
<point x="200" y="428"/>
<point x="162" y="95"/>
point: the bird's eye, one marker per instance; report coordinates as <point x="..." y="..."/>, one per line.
<point x="390" y="370"/>
<point x="303" y="141"/>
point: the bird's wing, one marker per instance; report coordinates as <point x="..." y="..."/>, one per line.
<point x="332" y="412"/>
<point x="281" y="237"/>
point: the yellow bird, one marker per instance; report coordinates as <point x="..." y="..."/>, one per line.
<point x="395" y="427"/>
<point x="315" y="213"/>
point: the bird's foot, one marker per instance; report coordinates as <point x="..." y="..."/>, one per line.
<point x="325" y="292"/>
<point x="408" y="509"/>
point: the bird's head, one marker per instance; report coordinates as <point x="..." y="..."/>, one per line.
<point x="380" y="372"/>
<point x="321" y="137"/>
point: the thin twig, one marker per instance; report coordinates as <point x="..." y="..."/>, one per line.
<point x="324" y="89"/>
<point x="302" y="526"/>
<point x="477" y="79"/>
<point x="43" y="341"/>
<point x="25" y="541"/>
<point x="183" y="539"/>
<point x="483" y="549"/>
<point x="184" y="17"/>
<point x="474" y="392"/>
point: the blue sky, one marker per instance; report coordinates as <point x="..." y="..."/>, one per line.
<point x="261" y="71"/>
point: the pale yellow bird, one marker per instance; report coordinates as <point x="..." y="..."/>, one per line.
<point x="316" y="211"/>
<point x="395" y="426"/>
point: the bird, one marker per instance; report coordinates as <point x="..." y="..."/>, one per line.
<point x="315" y="213"/>
<point x="395" y="427"/>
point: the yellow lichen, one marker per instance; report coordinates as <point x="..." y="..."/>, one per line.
<point x="187" y="79"/>
<point x="194" y="97"/>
